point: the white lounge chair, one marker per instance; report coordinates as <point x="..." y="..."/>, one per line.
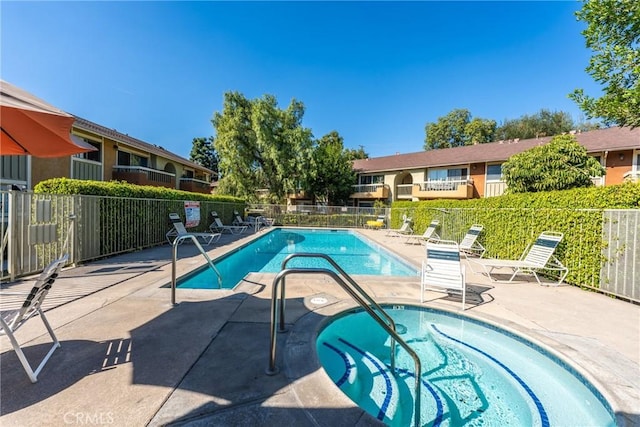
<point x="442" y="270"/>
<point x="404" y="230"/>
<point x="218" y="227"/>
<point x="237" y="220"/>
<point x="535" y="258"/>
<point x="470" y="244"/>
<point x="180" y="230"/>
<point x="12" y="320"/>
<point x="429" y="234"/>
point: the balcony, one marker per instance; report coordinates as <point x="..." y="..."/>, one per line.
<point x="444" y="189"/>
<point x="298" y="195"/>
<point x="370" y="191"/>
<point x="195" y="185"/>
<point x="404" y="191"/>
<point x="140" y="175"/>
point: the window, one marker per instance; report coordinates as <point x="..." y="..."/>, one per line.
<point x="453" y="174"/>
<point x="130" y="159"/>
<point x="371" y="179"/>
<point x="95" y="156"/>
<point x="494" y="172"/>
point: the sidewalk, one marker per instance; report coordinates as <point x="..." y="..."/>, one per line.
<point x="130" y="358"/>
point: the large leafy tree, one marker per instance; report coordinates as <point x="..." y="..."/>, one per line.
<point x="613" y="33"/>
<point x="457" y="129"/>
<point x="332" y="176"/>
<point x="542" y="123"/>
<point x="203" y="153"/>
<point x="356" y="154"/>
<point x="559" y="165"/>
<point x="261" y="146"/>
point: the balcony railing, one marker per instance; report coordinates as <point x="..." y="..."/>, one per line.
<point x="370" y="191"/>
<point x="141" y="175"/>
<point x="442" y="185"/>
<point x="404" y="191"/>
<point x="195" y="185"/>
<point x="444" y="189"/>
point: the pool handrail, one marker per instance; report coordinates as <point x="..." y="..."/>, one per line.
<point x="349" y="279"/>
<point x="273" y="369"/>
<point x="175" y="244"/>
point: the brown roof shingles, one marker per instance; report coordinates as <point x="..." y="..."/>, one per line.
<point x="135" y="143"/>
<point x="615" y="138"/>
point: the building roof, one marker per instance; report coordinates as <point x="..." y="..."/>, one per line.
<point x="609" y="139"/>
<point x="113" y="134"/>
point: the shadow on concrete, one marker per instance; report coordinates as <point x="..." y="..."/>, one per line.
<point x="75" y="360"/>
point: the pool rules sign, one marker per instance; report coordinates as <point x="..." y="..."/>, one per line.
<point x="192" y="213"/>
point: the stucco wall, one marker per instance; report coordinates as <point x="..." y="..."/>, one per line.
<point x="42" y="169"/>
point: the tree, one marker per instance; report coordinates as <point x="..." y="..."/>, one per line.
<point x="479" y="131"/>
<point x="357" y="154"/>
<point x="261" y="146"/>
<point x="542" y="123"/>
<point x="457" y="129"/>
<point x="332" y="178"/>
<point x="613" y="33"/>
<point x="559" y="165"/>
<point x="203" y="153"/>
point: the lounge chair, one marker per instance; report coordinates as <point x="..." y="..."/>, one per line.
<point x="255" y="222"/>
<point x="237" y="220"/>
<point x="470" y="244"/>
<point x="180" y="230"/>
<point x="12" y="320"/>
<point x="442" y="270"/>
<point x="404" y="230"/>
<point x="429" y="234"/>
<point x="535" y="258"/>
<point x="218" y="227"/>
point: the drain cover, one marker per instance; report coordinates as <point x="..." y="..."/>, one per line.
<point x="319" y="300"/>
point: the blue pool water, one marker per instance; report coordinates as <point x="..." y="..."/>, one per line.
<point x="472" y="373"/>
<point x="351" y="252"/>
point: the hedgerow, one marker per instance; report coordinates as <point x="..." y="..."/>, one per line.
<point x="131" y="216"/>
<point x="511" y="222"/>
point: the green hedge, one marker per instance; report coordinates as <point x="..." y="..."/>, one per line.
<point x="511" y="222"/>
<point x="133" y="216"/>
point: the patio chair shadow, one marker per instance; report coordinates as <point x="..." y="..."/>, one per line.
<point x="75" y="360"/>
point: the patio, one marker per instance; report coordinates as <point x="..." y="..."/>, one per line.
<point x="130" y="358"/>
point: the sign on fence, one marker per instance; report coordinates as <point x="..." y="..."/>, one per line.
<point x="192" y="213"/>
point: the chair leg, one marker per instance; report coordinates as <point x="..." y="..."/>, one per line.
<point x="33" y="375"/>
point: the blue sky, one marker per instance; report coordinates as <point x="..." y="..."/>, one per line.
<point x="376" y="72"/>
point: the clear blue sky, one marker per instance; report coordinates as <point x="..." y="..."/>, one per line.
<point x="375" y="72"/>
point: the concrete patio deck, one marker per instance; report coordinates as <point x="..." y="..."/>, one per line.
<point x="130" y="358"/>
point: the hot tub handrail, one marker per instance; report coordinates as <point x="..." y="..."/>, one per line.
<point x="272" y="369"/>
<point x="176" y="242"/>
<point x="354" y="285"/>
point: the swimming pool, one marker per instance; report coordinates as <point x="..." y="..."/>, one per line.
<point x="351" y="251"/>
<point x="472" y="373"/>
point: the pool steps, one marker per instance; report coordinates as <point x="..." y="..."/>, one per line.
<point x="371" y="382"/>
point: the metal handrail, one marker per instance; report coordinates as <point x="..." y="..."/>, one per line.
<point x="175" y="256"/>
<point x="273" y="369"/>
<point x="353" y="284"/>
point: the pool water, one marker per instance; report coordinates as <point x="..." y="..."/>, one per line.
<point x="350" y="251"/>
<point x="472" y="373"/>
